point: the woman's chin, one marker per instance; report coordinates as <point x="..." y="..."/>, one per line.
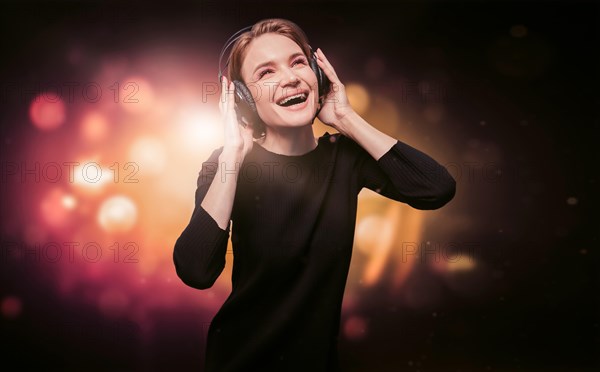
<point x="297" y="116"/>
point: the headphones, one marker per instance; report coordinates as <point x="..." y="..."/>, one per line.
<point x="245" y="105"/>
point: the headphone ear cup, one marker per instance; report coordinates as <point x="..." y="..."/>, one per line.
<point x="245" y="105"/>
<point x="322" y="80"/>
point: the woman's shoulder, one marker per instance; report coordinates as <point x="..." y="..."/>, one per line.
<point x="332" y="138"/>
<point x="344" y="144"/>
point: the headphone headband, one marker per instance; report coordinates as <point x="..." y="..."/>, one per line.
<point x="232" y="39"/>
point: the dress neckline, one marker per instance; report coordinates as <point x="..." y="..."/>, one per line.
<point x="283" y="156"/>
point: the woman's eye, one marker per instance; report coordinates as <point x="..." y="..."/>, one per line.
<point x="299" y="60"/>
<point x="263" y="73"/>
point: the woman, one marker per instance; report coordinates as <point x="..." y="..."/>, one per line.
<point x="293" y="200"/>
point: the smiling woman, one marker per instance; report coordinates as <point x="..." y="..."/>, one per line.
<point x="275" y="61"/>
<point x="293" y="236"/>
<point x="259" y="56"/>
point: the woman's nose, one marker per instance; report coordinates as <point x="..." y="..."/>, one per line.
<point x="290" y="78"/>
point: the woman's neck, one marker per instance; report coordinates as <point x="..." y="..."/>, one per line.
<point x="292" y="142"/>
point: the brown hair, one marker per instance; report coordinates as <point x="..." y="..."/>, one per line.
<point x="238" y="52"/>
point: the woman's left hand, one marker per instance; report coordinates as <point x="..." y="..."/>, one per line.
<point x="335" y="104"/>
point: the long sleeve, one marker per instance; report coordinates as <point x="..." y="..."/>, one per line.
<point x="407" y="175"/>
<point x="199" y="253"/>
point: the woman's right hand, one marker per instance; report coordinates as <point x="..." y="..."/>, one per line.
<point x="238" y="139"/>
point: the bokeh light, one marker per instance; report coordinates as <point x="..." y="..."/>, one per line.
<point x="200" y="129"/>
<point x="11" y="307"/>
<point x="117" y="214"/>
<point x="358" y="97"/>
<point x="94" y="127"/>
<point x="90" y="177"/>
<point x="56" y="207"/>
<point x="47" y="111"/>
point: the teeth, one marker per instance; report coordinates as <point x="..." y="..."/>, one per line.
<point x="301" y="95"/>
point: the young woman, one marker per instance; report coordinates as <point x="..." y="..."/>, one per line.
<point x="292" y="199"/>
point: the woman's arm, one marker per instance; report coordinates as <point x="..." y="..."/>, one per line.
<point x="385" y="165"/>
<point x="199" y="253"/>
<point x="218" y="201"/>
<point x="368" y="137"/>
<point x="396" y="170"/>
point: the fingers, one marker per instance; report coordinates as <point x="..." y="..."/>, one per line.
<point x="231" y="97"/>
<point x="223" y="99"/>
<point x="227" y="101"/>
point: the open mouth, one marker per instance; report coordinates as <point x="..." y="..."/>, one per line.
<point x="293" y="100"/>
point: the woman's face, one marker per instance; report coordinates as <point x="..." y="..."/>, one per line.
<point x="274" y="69"/>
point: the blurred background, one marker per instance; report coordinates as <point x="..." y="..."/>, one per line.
<point x="108" y="110"/>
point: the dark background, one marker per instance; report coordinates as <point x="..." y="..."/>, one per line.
<point x="537" y="95"/>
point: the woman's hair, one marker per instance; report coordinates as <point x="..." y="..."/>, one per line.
<point x="238" y="52"/>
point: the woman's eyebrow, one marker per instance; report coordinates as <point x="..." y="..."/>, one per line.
<point x="268" y="63"/>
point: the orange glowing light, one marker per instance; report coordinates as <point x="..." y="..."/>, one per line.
<point x="117" y="214"/>
<point x="94" y="127"/>
<point x="386" y="234"/>
<point x="69" y="202"/>
<point x="410" y="233"/>
<point x="358" y="97"/>
<point x="199" y="129"/>
<point x="367" y="233"/>
<point x="90" y="177"/>
<point x="460" y="263"/>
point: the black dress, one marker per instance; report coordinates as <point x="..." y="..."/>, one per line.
<point x="293" y="229"/>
